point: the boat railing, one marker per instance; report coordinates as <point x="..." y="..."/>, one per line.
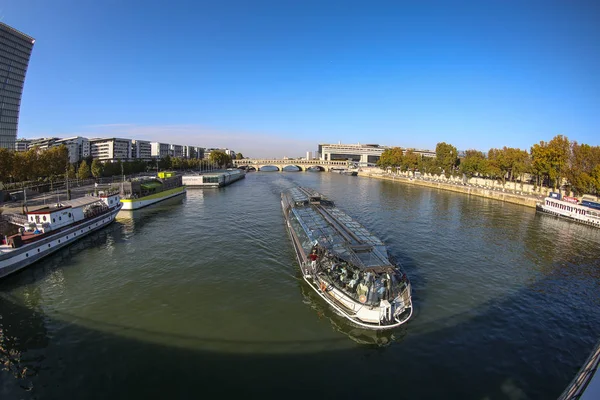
<point x="577" y="387"/>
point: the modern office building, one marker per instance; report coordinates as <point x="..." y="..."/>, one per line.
<point x="176" y="150"/>
<point x="159" y="150"/>
<point x="111" y="149"/>
<point x="141" y="150"/>
<point x="42" y="143"/>
<point x="364" y="154"/>
<point x="15" y="51"/>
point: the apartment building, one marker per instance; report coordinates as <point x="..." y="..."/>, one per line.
<point x="79" y="147"/>
<point x="112" y="149"/>
<point x="141" y="150"/>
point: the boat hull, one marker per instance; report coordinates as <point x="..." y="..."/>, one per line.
<point x="24" y="256"/>
<point x="134" y="204"/>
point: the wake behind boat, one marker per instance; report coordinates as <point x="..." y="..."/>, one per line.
<point x="345" y="264"/>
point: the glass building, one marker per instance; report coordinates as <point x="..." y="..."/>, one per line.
<point x="15" y="50"/>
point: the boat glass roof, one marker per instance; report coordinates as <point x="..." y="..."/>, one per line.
<point x="335" y="230"/>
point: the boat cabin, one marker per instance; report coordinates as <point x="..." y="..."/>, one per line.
<point x="51" y="218"/>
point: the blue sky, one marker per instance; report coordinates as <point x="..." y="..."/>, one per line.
<point x="275" y="78"/>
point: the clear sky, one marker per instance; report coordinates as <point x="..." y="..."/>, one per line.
<point x="275" y="78"/>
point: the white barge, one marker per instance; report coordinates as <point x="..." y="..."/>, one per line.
<point x="214" y="179"/>
<point x="586" y="212"/>
<point x="48" y="229"/>
<point x="345" y="264"/>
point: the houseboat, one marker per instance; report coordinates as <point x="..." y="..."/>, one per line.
<point x="45" y="230"/>
<point x="214" y="179"/>
<point x="344" y="264"/>
<point x="585" y="211"/>
<point x="142" y="192"/>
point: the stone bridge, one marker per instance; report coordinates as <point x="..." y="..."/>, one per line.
<point x="303" y="165"/>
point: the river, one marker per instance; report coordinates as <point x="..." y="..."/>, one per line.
<point x="202" y="295"/>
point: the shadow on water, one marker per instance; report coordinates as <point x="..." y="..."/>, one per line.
<point x="97" y="363"/>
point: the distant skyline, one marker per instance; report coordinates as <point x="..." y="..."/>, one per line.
<point x="275" y="78"/>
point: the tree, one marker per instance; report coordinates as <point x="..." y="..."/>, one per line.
<point x="559" y="152"/>
<point x="165" y="162"/>
<point x="410" y="160"/>
<point x="220" y="158"/>
<point x="96" y="169"/>
<point x="390" y="158"/>
<point x="473" y="163"/>
<point x="84" y="170"/>
<point x="6" y="164"/>
<point x="239" y="156"/>
<point x="447" y="157"/>
<point x="71" y="172"/>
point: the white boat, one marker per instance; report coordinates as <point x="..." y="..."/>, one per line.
<point x="586" y="212"/>
<point x="352" y="271"/>
<point x="214" y="179"/>
<point x="48" y="229"/>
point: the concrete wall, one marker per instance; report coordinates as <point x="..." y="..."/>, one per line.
<point x="528" y="199"/>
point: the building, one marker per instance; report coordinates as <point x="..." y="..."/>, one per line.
<point x="112" y="149"/>
<point x="22" y="144"/>
<point x="15" y="51"/>
<point x="363" y="154"/>
<point x="141" y="150"/>
<point x="159" y="150"/>
<point x="176" y="150"/>
<point x="79" y="148"/>
<point x="42" y="143"/>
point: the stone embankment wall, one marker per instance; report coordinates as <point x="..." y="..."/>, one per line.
<point x="515" y="197"/>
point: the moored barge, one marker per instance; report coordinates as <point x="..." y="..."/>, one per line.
<point x="45" y="230"/>
<point x="584" y="211"/>
<point x="344" y="263"/>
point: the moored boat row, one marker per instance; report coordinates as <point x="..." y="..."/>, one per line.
<point x="48" y="229"/>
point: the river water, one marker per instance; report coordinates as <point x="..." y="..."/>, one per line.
<point x="202" y="295"/>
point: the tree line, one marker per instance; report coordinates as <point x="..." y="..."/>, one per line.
<point x="557" y="163"/>
<point x="53" y="164"/>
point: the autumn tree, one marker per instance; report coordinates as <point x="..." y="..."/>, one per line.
<point x="410" y="160"/>
<point x="390" y="158"/>
<point x="559" y="152"/>
<point x="84" y="171"/>
<point x="6" y="164"/>
<point x="96" y="168"/>
<point x="447" y="157"/>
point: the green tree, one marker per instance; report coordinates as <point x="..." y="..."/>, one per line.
<point x="84" y="170"/>
<point x="96" y="168"/>
<point x="239" y="156"/>
<point x="220" y="158"/>
<point x="165" y="162"/>
<point x="447" y="157"/>
<point x="473" y="163"/>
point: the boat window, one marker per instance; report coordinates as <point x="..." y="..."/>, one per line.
<point x="53" y="219"/>
<point x="44" y="218"/>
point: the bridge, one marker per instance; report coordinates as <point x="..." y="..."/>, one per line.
<point x="303" y="165"/>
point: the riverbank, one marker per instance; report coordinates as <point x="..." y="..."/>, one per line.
<point x="524" y="200"/>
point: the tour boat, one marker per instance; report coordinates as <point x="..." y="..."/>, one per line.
<point x="586" y="211"/>
<point x="139" y="193"/>
<point x="45" y="230"/>
<point x="352" y="270"/>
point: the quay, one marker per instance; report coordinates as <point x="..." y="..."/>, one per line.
<point x="489" y="193"/>
<point x="586" y="384"/>
<point x="214" y="179"/>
